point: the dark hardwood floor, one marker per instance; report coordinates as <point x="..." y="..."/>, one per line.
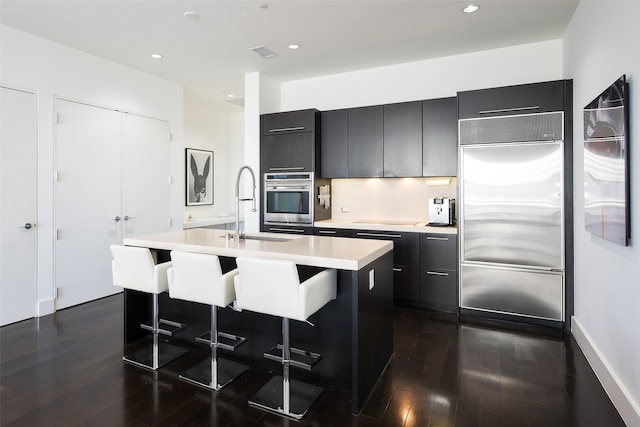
<point x="66" y="370"/>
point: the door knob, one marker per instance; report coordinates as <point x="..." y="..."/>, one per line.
<point x="126" y="218"/>
<point x="27" y="226"/>
<point x="116" y="219"/>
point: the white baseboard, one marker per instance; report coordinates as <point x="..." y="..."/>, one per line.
<point x="47" y="306"/>
<point x="622" y="400"/>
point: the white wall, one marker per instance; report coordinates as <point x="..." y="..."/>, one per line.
<point x="599" y="46"/>
<point x="52" y="69"/>
<point x="433" y="78"/>
<point x="207" y="128"/>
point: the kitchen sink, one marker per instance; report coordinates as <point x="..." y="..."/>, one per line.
<point x="264" y="238"/>
<point x="387" y="222"/>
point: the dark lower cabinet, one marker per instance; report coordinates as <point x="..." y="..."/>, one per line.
<point x="290" y="229"/>
<point x="439" y="290"/>
<point x="406" y="283"/>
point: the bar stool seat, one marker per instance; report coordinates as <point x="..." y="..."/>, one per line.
<point x="273" y="287"/>
<point x="134" y="268"/>
<point x="198" y="278"/>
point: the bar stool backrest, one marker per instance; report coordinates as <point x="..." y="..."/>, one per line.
<point x="198" y="278"/>
<point x="134" y="268"/>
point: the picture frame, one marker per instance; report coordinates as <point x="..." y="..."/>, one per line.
<point x="607" y="164"/>
<point x="198" y="177"/>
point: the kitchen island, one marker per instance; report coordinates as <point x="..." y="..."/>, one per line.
<point x="354" y="333"/>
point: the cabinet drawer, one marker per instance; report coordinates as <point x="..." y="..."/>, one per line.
<point x="439" y="251"/>
<point x="331" y="232"/>
<point x="439" y="289"/>
<point x="406" y="246"/>
<point x="406" y="283"/>
<point x="290" y="122"/>
<point x="286" y="229"/>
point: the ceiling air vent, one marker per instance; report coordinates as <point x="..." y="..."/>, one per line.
<point x="265" y="52"/>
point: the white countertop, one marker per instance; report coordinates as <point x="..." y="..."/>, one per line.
<point x="319" y="251"/>
<point x="384" y="225"/>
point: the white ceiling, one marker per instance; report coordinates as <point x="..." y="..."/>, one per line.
<point x="210" y="55"/>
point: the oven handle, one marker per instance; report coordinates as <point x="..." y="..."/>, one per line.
<point x="288" y="187"/>
<point x="294" y="168"/>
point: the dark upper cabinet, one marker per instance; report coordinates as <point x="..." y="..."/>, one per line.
<point x="289" y="122"/>
<point x="366" y="141"/>
<point x="510" y="100"/>
<point x="440" y="137"/>
<point x="334" y="144"/>
<point x="287" y="152"/>
<point x="290" y="141"/>
<point x="402" y="139"/>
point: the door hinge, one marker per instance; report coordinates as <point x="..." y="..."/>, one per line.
<point x="170" y="179"/>
<point x="56" y="119"/>
<point x="55" y="176"/>
<point x="56" y="234"/>
<point x="170" y="222"/>
<point x="55" y="292"/>
<point x="170" y="137"/>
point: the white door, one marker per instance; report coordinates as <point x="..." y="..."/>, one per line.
<point x="18" y="172"/>
<point x="87" y="201"/>
<point x="146" y="166"/>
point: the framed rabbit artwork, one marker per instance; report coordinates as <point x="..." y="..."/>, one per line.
<point x="199" y="177"/>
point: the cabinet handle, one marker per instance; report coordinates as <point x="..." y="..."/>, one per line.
<point x="445" y="239"/>
<point x="287" y="129"/>
<point x="294" y="168"/>
<point x="326" y="232"/>
<point x="436" y="273"/>
<point x="397" y="269"/>
<point x="287" y="230"/>
<point x="508" y="110"/>
<point x="392" y="236"/>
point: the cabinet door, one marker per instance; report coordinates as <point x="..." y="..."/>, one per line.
<point x="289" y="122"/>
<point x="287" y="152"/>
<point x="439" y="251"/>
<point x="365" y="142"/>
<point x="403" y="139"/>
<point x="440" y="137"/>
<point x="334" y="144"/>
<point x="406" y="283"/>
<point x="509" y="100"/>
<point x="439" y="290"/>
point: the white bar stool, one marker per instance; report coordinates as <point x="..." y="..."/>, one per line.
<point x="135" y="268"/>
<point x="273" y="287"/>
<point x="198" y="278"/>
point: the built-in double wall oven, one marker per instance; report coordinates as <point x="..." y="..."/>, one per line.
<point x="288" y="198"/>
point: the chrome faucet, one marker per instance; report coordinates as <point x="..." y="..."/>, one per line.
<point x="236" y="235"/>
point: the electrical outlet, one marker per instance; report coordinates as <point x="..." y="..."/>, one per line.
<point x="344" y="210"/>
<point x="371" y="279"/>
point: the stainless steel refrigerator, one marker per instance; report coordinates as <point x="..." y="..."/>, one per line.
<point x="511" y="218"/>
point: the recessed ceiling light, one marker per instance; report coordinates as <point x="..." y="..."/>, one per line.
<point x="294" y="46"/>
<point x="191" y="16"/>
<point x="230" y="95"/>
<point x="471" y="8"/>
<point x="156" y="56"/>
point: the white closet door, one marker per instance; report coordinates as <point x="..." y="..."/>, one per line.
<point x="87" y="201"/>
<point x="18" y="174"/>
<point x="146" y="167"/>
